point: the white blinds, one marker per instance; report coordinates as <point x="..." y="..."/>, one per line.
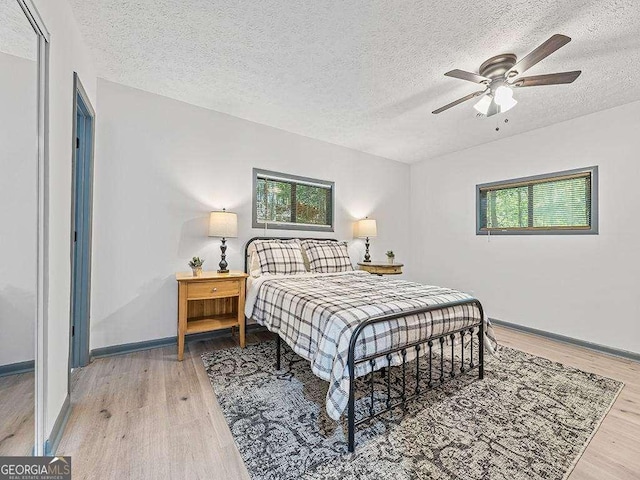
<point x="554" y="202"/>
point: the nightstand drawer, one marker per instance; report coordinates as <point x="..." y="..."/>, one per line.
<point x="393" y="270"/>
<point x="221" y="288"/>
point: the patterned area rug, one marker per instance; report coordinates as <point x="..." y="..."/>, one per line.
<point x="529" y="419"/>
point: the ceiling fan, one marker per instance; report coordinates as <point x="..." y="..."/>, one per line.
<point x="500" y="74"/>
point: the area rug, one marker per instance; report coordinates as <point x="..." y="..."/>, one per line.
<point x="530" y="418"/>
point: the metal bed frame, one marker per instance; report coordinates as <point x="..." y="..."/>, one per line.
<point x="435" y="340"/>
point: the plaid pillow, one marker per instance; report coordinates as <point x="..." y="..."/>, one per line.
<point x="327" y="256"/>
<point x="280" y="256"/>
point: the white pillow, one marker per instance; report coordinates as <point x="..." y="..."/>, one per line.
<point x="254" y="263"/>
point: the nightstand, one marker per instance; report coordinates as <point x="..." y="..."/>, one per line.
<point x="381" y="268"/>
<point x="213" y="301"/>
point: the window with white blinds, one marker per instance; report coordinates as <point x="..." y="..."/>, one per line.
<point x="290" y="202"/>
<point x="562" y="202"/>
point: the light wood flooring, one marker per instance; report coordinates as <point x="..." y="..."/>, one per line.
<point x="146" y="416"/>
<point x="17" y="410"/>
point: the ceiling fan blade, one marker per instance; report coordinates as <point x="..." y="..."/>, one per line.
<point x="471" y="77"/>
<point x="550" y="79"/>
<point x="543" y="51"/>
<point x="460" y="100"/>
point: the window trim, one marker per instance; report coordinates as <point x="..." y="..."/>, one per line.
<point x="294" y="179"/>
<point x="593" y="230"/>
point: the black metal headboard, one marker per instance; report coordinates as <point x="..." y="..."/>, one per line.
<point x="251" y="240"/>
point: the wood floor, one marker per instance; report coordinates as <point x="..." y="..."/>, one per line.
<point x="146" y="416"/>
<point x="17" y="410"/>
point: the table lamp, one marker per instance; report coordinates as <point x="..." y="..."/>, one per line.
<point x="364" y="229"/>
<point x="223" y="225"/>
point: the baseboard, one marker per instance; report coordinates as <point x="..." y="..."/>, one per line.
<point x="16" y="368"/>
<point x="573" y="341"/>
<point x="131" y="347"/>
<point x="163" y="342"/>
<point x="51" y="445"/>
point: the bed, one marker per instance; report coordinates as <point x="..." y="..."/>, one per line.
<point x="349" y="324"/>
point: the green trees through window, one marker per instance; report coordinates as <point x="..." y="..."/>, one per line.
<point x="560" y="201"/>
<point x="292" y="202"/>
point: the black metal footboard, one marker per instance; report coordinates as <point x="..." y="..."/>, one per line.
<point x="465" y="365"/>
<point x="431" y="382"/>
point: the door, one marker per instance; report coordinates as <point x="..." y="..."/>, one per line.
<point x="81" y="223"/>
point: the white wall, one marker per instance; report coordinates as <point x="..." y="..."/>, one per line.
<point x="162" y="165"/>
<point x="68" y="54"/>
<point x="585" y="287"/>
<point x="18" y="210"/>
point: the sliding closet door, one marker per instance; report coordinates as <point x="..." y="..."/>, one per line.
<point x="18" y="227"/>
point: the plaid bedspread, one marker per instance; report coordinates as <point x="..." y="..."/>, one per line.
<point x="317" y="314"/>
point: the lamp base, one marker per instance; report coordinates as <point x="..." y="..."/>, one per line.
<point x="223" y="257"/>
<point x="367" y="257"/>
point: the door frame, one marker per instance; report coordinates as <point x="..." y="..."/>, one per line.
<point x="79" y="343"/>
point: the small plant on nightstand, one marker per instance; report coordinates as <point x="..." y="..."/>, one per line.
<point x="391" y="256"/>
<point x="196" y="266"/>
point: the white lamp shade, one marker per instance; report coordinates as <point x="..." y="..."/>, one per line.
<point x="483" y="105"/>
<point x="507" y="104"/>
<point x="504" y="98"/>
<point x="223" y="224"/>
<point x="502" y="95"/>
<point x="366" y="228"/>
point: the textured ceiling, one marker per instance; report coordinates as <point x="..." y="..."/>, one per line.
<point x="16" y="34"/>
<point x="366" y="74"/>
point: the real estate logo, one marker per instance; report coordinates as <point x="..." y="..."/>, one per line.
<point x="35" y="468"/>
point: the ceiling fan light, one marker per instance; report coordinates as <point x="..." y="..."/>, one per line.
<point x="483" y="105"/>
<point x="507" y="104"/>
<point x="503" y="96"/>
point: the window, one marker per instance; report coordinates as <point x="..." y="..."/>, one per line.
<point x="556" y="203"/>
<point x="289" y="202"/>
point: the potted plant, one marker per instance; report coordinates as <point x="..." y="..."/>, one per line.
<point x="391" y="256"/>
<point x="196" y="266"/>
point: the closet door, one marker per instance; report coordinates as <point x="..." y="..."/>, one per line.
<point x="22" y="140"/>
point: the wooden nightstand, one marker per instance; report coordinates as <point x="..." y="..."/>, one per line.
<point x="213" y="301"/>
<point x="381" y="268"/>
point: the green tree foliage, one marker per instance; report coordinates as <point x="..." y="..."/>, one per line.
<point x="312" y="204"/>
<point x="556" y="203"/>
<point x="562" y="203"/>
<point x="275" y="200"/>
<point x="508" y="208"/>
